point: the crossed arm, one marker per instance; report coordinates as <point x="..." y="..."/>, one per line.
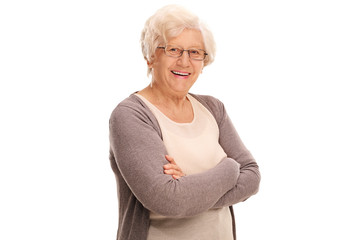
<point x="140" y="156"/>
<point x="249" y="176"/>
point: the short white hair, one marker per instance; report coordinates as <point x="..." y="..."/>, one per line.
<point x="169" y="22"/>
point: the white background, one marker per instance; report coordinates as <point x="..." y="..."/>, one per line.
<point x="287" y="71"/>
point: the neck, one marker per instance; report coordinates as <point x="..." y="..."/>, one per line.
<point x="175" y="106"/>
<point x="165" y="98"/>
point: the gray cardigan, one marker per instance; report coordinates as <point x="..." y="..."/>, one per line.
<point x="137" y="156"/>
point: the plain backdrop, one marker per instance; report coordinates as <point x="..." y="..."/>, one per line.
<point x="287" y="72"/>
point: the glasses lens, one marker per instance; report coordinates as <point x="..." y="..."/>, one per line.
<point x="173" y="51"/>
<point x="197" y="54"/>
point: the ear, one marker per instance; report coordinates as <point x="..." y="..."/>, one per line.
<point x="149" y="64"/>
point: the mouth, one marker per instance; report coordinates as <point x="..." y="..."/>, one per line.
<point x="181" y="74"/>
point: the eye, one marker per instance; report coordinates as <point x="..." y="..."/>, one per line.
<point x="174" y="50"/>
<point x="194" y="51"/>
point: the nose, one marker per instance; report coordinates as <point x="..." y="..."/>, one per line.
<point x="184" y="60"/>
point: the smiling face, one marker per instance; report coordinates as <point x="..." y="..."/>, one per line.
<point x="176" y="75"/>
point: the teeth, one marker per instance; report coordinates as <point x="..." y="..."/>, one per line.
<point x="181" y="74"/>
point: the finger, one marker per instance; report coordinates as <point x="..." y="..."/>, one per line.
<point x="171" y="166"/>
<point x="175" y="174"/>
<point x="172" y="172"/>
<point x="176" y="177"/>
<point x="170" y="159"/>
<point x="176" y="169"/>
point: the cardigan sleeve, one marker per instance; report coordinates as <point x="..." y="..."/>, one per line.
<point x="139" y="154"/>
<point x="249" y="176"/>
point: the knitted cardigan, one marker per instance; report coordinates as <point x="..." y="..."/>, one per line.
<point x="137" y="156"/>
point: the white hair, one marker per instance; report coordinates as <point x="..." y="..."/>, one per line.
<point x="169" y="22"/>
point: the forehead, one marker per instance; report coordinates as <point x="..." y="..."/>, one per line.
<point x="188" y="38"/>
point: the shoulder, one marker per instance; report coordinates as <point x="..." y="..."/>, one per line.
<point x="129" y="105"/>
<point x="214" y="105"/>
<point x="132" y="102"/>
<point x="133" y="110"/>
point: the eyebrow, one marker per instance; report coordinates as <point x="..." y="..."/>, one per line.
<point x="192" y="47"/>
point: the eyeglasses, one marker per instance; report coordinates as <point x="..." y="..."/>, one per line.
<point x="175" y="51"/>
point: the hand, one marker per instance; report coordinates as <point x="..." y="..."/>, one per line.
<point x="172" y="168"/>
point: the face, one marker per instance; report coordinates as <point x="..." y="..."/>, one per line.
<point x="177" y="75"/>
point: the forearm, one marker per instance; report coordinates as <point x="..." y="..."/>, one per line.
<point x="184" y="197"/>
<point x="246" y="186"/>
<point x="192" y="194"/>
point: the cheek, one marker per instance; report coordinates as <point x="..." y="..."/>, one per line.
<point x="164" y="64"/>
<point x="199" y="67"/>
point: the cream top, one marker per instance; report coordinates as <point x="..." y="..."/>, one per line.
<point x="195" y="148"/>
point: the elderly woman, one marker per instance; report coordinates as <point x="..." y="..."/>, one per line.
<point x="178" y="160"/>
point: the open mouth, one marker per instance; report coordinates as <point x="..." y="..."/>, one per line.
<point x="183" y="74"/>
